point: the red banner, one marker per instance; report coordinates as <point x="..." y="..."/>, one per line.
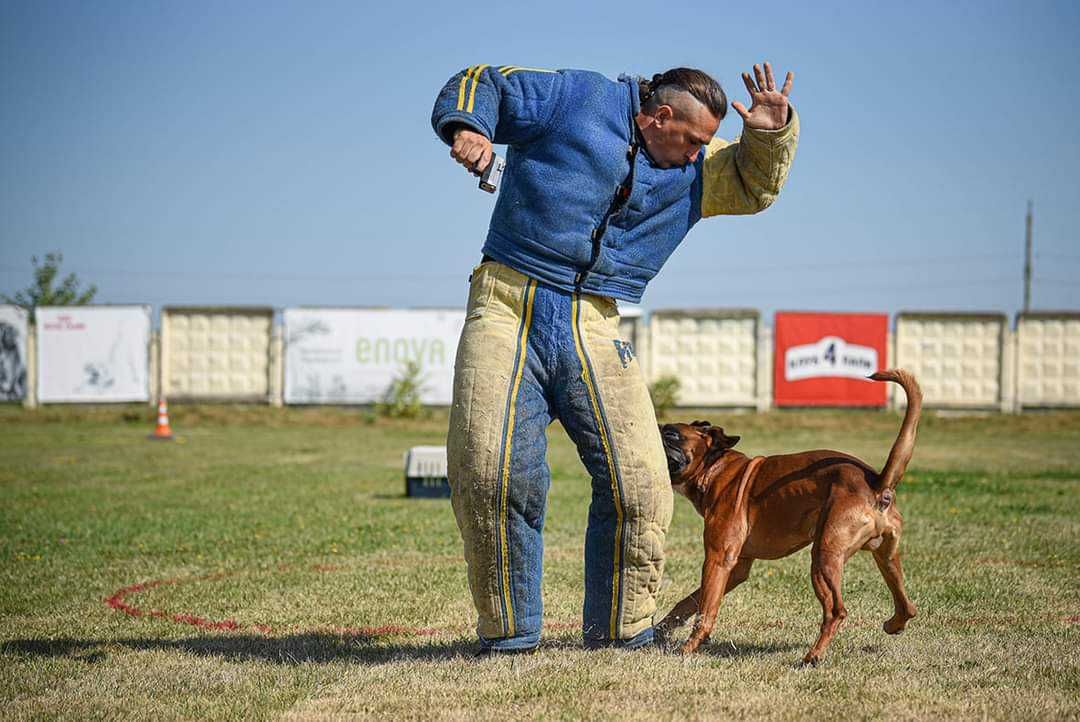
<point x="823" y="359"/>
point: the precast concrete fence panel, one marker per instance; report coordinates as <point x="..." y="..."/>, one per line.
<point x="712" y="352"/>
<point x="216" y="353"/>
<point x="957" y="357"/>
<point x="1048" y="363"/>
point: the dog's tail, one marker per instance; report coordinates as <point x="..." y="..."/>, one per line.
<point x="900" y="454"/>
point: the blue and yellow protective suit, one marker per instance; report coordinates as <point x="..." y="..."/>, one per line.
<point x="541" y="335"/>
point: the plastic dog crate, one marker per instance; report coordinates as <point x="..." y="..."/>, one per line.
<point x="425" y="472"/>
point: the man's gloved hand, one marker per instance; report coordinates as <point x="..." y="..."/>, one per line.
<point x="471" y="149"/>
<point x="768" y="107"/>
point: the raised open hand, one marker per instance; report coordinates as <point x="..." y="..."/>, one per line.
<point x="768" y="107"/>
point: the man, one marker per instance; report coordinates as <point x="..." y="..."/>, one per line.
<point x="603" y="180"/>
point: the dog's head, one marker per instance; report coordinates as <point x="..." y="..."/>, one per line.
<point x="691" y="449"/>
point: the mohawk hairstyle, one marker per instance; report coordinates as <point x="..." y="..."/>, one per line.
<point x="697" y="83"/>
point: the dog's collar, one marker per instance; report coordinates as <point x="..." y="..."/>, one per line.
<point x="748" y="473"/>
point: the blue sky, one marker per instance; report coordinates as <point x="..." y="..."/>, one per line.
<point x="280" y="153"/>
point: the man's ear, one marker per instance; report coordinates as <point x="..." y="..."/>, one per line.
<point x="663" y="114"/>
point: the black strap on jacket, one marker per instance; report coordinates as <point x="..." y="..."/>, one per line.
<point x="622" y="195"/>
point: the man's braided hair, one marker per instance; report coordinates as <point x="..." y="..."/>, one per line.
<point x="699" y="84"/>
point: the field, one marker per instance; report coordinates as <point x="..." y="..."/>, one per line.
<point x="284" y="574"/>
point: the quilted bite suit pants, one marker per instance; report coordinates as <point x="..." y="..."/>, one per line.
<point x="530" y="353"/>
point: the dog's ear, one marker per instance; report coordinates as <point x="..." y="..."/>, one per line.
<point x="720" y="441"/>
<point x="701" y="423"/>
<point x="723" y="439"/>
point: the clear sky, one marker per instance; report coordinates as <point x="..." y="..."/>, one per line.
<point x="281" y="153"/>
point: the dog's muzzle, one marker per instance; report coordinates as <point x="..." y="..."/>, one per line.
<point x="676" y="458"/>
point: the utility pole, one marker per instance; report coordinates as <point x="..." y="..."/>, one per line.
<point x="1027" y="262"/>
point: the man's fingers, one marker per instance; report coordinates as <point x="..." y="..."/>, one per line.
<point x="480" y="162"/>
<point x="460" y="150"/>
<point x="741" y="110"/>
<point x="473" y="154"/>
<point x="770" y="81"/>
<point x="760" y="77"/>
<point x="749" y="85"/>
<point x="472" y="151"/>
<point x="787" y="84"/>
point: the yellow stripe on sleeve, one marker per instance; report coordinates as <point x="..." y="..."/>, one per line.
<point x="509" y="69"/>
<point x="461" y="88"/>
<point x="472" y="91"/>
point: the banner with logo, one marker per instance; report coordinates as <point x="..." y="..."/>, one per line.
<point x="93" y="353"/>
<point x="352" y="356"/>
<point x="14" y="326"/>
<point x="823" y="359"/>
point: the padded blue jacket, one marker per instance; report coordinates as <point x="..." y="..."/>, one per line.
<point x="568" y="133"/>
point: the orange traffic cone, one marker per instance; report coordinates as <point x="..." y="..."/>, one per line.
<point x="162" y="432"/>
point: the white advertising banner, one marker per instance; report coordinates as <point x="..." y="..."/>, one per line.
<point x="93" y="353"/>
<point x="351" y="356"/>
<point x="830" y="357"/>
<point x="14" y="325"/>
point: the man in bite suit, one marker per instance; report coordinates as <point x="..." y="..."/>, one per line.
<point x="603" y="180"/>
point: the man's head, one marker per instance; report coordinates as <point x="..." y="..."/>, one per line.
<point x="680" y="111"/>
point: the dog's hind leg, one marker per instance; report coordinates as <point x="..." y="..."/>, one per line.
<point x="887" y="557"/>
<point x="690" y="605"/>
<point x="844" y="526"/>
<point x="826" y="575"/>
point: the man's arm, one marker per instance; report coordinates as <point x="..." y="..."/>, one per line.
<point x="485" y="104"/>
<point x="746" y="176"/>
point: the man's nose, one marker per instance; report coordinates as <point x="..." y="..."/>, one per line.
<point x="693" y="156"/>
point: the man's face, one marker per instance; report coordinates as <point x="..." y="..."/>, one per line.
<point x="676" y="134"/>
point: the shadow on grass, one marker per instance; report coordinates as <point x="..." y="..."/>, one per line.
<point x="318" y="648"/>
<point x="734" y="650"/>
<point x="288" y="650"/>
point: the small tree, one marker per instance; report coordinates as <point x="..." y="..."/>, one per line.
<point x="402" y="398"/>
<point x="664" y="393"/>
<point x="42" y="292"/>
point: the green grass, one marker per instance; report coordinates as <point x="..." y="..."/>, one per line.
<point x="296" y="519"/>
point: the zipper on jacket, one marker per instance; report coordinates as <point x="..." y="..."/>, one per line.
<point x="622" y="195"/>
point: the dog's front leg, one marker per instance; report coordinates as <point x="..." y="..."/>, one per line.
<point x="677" y="617"/>
<point x="714" y="576"/>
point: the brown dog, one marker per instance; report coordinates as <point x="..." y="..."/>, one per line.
<point x="769" y="507"/>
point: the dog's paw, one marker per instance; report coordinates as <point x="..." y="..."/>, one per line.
<point x="896" y="623"/>
<point x="810" y="660"/>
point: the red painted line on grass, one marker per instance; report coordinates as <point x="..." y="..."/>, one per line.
<point x="120" y="603"/>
